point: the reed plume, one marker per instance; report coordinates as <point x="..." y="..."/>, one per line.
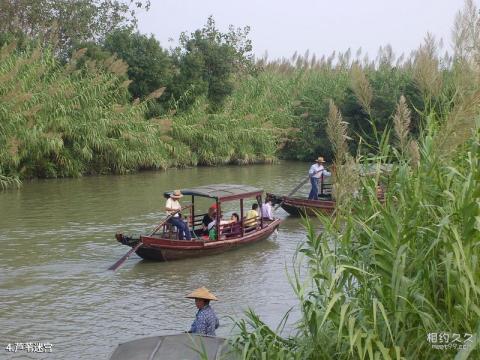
<point x="345" y="179"/>
<point x="156" y="94"/>
<point x="466" y="33"/>
<point x="458" y="126"/>
<point x="361" y="87"/>
<point x="426" y="69"/>
<point x="414" y="153"/>
<point x="401" y="123"/>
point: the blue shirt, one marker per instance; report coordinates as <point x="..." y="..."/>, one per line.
<point x="205" y="322"/>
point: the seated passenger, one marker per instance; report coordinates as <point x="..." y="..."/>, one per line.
<point x="212" y="228"/>
<point x="235" y="226"/>
<point x="252" y="215"/>
<point x="208" y="218"/>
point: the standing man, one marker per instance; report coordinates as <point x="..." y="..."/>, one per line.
<point x="205" y="321"/>
<point x="266" y="209"/>
<point x="173" y="205"/>
<point x="316" y="171"/>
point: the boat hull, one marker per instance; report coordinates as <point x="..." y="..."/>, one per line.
<point x="304" y="207"/>
<point x="160" y="249"/>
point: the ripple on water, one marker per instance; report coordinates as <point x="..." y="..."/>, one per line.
<point x="57" y="242"/>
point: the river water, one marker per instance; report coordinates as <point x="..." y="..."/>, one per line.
<point x="57" y="240"/>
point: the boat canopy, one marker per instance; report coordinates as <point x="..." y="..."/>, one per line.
<point x="174" y="347"/>
<point x="221" y="192"/>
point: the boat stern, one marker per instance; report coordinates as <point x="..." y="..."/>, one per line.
<point x="127" y="240"/>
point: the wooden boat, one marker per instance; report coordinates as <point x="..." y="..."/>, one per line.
<point x="164" y="245"/>
<point x="174" y="347"/>
<point x="297" y="206"/>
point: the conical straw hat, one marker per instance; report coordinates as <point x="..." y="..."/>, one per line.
<point x="201" y="293"/>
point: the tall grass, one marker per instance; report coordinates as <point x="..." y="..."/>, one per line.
<point x="75" y="119"/>
<point x="63" y="121"/>
<point x="393" y="272"/>
<point x="381" y="277"/>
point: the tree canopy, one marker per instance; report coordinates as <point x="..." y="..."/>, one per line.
<point x="149" y="66"/>
<point x="207" y="59"/>
<point x="68" y="22"/>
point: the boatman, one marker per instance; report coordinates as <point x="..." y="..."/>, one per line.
<point x="316" y="172"/>
<point x="173" y="206"/>
<point x="205" y="321"/>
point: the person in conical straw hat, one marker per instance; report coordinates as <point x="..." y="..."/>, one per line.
<point x="173" y="207"/>
<point x="206" y="320"/>
<point x="317" y="171"/>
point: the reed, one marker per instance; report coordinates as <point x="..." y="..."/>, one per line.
<point x="397" y="272"/>
<point x="382" y="277"/>
<point x="401" y="124"/>
<point x="63" y="121"/>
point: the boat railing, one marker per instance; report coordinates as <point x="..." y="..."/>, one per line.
<point x="169" y="231"/>
<point x="250" y="224"/>
<point x="196" y="222"/>
<point x="325" y="189"/>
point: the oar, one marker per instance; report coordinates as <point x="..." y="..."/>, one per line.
<point x="291" y="193"/>
<point x="294" y="190"/>
<point x="168" y="217"/>
<point x="140" y="243"/>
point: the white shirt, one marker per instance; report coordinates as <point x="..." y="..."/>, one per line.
<point x="267" y="211"/>
<point x="317" y="170"/>
<point x="214" y="222"/>
<point x="173" y="204"/>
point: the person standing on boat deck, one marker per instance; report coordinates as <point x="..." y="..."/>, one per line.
<point x="316" y="171"/>
<point x="266" y="209"/>
<point x="173" y="205"/>
<point x="206" y="320"/>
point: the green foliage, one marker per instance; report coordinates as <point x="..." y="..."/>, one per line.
<point x="381" y="276"/>
<point x="215" y="139"/>
<point x="207" y="60"/>
<point x="64" y="121"/>
<point x="65" y="21"/>
<point x="149" y="66"/>
<point x="74" y="119"/>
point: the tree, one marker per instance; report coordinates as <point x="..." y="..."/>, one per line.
<point x="207" y="59"/>
<point x="69" y="22"/>
<point x="149" y="66"/>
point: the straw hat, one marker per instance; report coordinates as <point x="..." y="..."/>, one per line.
<point x="201" y="293"/>
<point x="177" y="194"/>
<point x="320" y="159"/>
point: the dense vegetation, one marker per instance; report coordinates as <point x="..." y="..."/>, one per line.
<point x="212" y="103"/>
<point x="389" y="280"/>
<point x="382" y="277"/>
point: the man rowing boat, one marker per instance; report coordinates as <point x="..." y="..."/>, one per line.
<point x="316" y="172"/>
